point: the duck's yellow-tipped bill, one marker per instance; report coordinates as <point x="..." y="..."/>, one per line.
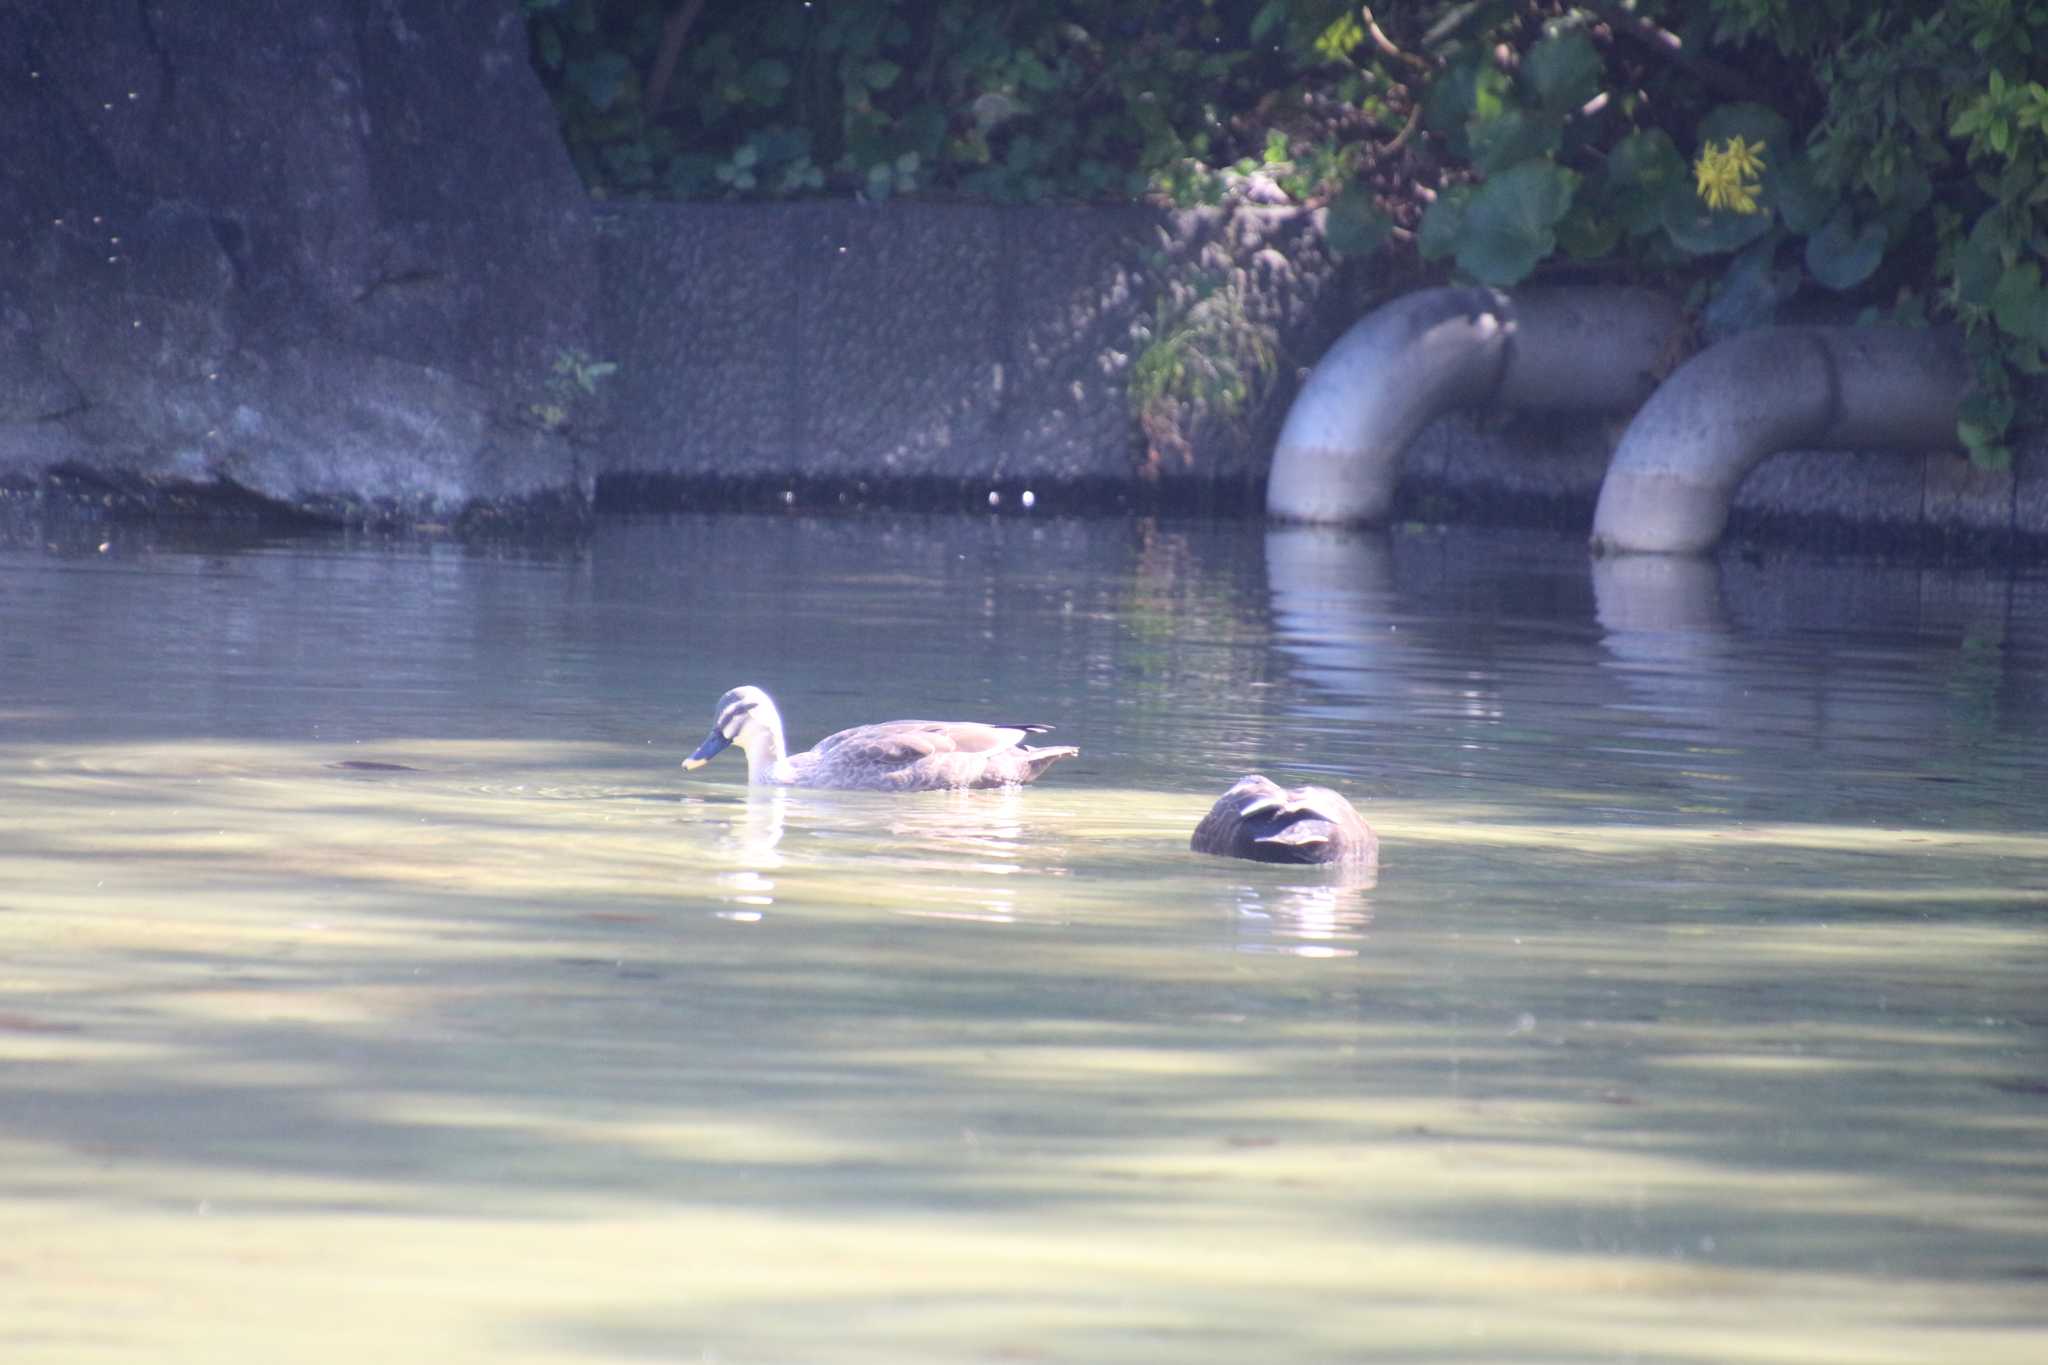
<point x="713" y="744"/>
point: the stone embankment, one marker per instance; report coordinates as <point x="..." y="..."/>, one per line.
<point x="382" y="296"/>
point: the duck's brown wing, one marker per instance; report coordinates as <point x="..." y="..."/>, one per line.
<point x="892" y="743"/>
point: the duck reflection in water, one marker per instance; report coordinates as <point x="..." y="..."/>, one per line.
<point x="987" y="827"/>
<point x="946" y="854"/>
<point x="752" y="840"/>
<point x="963" y="853"/>
<point x="1319" y="915"/>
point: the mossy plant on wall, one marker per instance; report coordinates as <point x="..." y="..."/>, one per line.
<point x="571" y="386"/>
<point x="1203" y="359"/>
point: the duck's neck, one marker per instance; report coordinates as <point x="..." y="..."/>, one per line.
<point x="764" y="746"/>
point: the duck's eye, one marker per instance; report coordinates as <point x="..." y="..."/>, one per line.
<point x="736" y="715"/>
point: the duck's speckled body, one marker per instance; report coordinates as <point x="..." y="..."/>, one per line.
<point x="894" y="755"/>
<point x="1259" y="819"/>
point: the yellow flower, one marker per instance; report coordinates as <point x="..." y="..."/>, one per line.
<point x="1745" y="157"/>
<point x="1724" y="175"/>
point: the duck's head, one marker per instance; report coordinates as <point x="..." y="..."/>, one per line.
<point x="745" y="717"/>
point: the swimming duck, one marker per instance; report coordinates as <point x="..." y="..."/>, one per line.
<point x="1259" y="819"/>
<point x="895" y="755"/>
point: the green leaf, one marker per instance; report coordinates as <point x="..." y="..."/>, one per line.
<point x="1988" y="450"/>
<point x="1980" y="261"/>
<point x="1588" y="233"/>
<point x="1751" y="123"/>
<point x="692" y="174"/>
<point x="1337" y="42"/>
<point x="1510" y="222"/>
<point x="1491" y="88"/>
<point x="1748" y="292"/>
<point x="1354" y="225"/>
<point x="778" y="144"/>
<point x="1802" y="200"/>
<point x="600" y="80"/>
<point x="1562" y="72"/>
<point x="1912" y="190"/>
<point x="1991" y="412"/>
<point x="879" y="74"/>
<point x="1512" y="136"/>
<point x="2020" y="305"/>
<point x="924" y="129"/>
<point x="1700" y="231"/>
<point x="1034" y="74"/>
<point x="765" y="81"/>
<point x="1450" y="104"/>
<point x="1442" y="223"/>
<point x="1971" y="119"/>
<point x="1841" y="255"/>
<point x="1640" y="172"/>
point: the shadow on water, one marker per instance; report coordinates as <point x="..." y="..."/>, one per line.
<point x="1693" y="1014"/>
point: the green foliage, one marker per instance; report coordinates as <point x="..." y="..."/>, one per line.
<point x="1509" y="223"/>
<point x="1355" y="224"/>
<point x="1204" y="360"/>
<point x="1840" y="254"/>
<point x="1997" y="267"/>
<point x="1072" y="100"/>
<point x="1898" y="148"/>
<point x="1891" y="154"/>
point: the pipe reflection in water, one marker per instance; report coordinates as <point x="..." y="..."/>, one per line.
<point x="1325" y="585"/>
<point x="1657" y="594"/>
<point x="1324" y="915"/>
<point x="1719" y="662"/>
<point x="1666" y="634"/>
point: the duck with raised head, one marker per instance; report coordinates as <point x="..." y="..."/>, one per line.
<point x="1261" y="820"/>
<point x="893" y="755"/>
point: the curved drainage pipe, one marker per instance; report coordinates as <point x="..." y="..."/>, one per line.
<point x="1779" y="388"/>
<point x="1409" y="362"/>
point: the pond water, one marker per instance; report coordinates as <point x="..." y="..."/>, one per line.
<point x="374" y="985"/>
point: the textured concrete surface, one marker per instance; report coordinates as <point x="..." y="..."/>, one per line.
<point x="836" y="341"/>
<point x="1532" y="468"/>
<point x="976" y="345"/>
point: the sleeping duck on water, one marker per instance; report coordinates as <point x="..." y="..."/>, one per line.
<point x="1261" y="820"/>
<point x="894" y="755"/>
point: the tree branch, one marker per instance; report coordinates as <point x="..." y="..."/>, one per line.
<point x="1723" y="80"/>
<point x="672" y="34"/>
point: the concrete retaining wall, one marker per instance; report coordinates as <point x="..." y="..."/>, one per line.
<point x="846" y="346"/>
<point x="882" y="354"/>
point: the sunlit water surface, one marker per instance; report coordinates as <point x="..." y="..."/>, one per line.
<point x="374" y="986"/>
